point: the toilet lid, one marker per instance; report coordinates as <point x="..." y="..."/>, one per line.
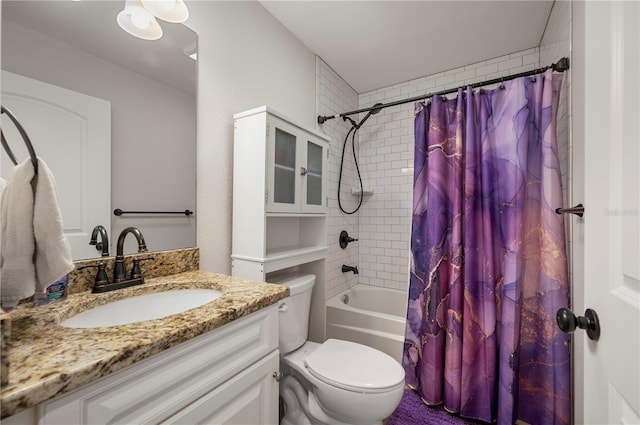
<point x="354" y="367"/>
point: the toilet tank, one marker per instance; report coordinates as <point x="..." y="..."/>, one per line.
<point x="293" y="316"/>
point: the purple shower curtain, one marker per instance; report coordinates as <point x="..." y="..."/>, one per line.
<point x="489" y="268"/>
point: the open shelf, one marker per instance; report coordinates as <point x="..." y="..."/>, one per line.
<point x="284" y="232"/>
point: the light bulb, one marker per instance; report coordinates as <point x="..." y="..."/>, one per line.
<point x="168" y="10"/>
<point x="167" y="4"/>
<point x="137" y="21"/>
<point x="140" y="19"/>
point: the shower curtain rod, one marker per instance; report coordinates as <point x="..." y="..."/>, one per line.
<point x="560" y="66"/>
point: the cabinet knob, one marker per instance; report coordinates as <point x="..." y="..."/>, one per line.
<point x="303" y="171"/>
<point x="277" y="376"/>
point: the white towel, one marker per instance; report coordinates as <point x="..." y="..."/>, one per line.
<point x="17" y="270"/>
<point x="53" y="252"/>
<point x="35" y="251"/>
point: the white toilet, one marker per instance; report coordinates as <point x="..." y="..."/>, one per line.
<point x="336" y="382"/>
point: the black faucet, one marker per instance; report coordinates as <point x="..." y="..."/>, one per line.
<point x="346" y="269"/>
<point x="119" y="269"/>
<point x="104" y="239"/>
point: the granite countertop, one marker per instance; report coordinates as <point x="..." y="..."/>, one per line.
<point x="47" y="360"/>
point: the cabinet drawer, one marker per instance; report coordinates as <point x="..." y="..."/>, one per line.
<point x="154" y="389"/>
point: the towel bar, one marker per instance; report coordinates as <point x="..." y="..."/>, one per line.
<point x="119" y="212"/>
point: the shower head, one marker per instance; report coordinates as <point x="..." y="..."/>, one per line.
<point x="374" y="110"/>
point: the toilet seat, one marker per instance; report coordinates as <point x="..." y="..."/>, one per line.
<point x="354" y="367"/>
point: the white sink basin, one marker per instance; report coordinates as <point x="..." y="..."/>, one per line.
<point x="141" y="308"/>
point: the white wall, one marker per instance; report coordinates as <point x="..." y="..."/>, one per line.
<point x="150" y="141"/>
<point x="246" y="59"/>
<point x="386" y="155"/>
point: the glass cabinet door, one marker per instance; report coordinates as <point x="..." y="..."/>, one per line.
<point x="284" y="173"/>
<point x="297" y="167"/>
<point x="314" y="174"/>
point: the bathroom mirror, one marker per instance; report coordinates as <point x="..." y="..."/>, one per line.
<point x="151" y="89"/>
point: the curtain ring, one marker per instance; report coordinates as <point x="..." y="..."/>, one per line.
<point x="502" y="83"/>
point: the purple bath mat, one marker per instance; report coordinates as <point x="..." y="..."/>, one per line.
<point x="412" y="411"/>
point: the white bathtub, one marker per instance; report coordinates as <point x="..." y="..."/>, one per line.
<point x="371" y="316"/>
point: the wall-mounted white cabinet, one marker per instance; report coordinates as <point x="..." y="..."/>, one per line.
<point x="279" y="194"/>
<point x="280" y="203"/>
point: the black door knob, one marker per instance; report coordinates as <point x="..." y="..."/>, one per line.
<point x="568" y="322"/>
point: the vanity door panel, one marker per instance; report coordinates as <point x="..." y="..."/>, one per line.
<point x="251" y="397"/>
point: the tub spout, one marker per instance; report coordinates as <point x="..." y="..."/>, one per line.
<point x="346" y="269"/>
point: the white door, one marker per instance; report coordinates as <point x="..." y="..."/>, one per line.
<point x="71" y="132"/>
<point x="607" y="67"/>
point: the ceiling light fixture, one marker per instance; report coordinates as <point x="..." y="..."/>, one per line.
<point x="138" y="17"/>
<point x="138" y="21"/>
<point x="174" y="11"/>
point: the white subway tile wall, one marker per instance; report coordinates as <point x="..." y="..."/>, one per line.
<point x="334" y="96"/>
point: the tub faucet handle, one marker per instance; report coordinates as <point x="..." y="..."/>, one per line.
<point x="345" y="239"/>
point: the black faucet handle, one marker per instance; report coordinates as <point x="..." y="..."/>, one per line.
<point x="345" y="239"/>
<point x="136" y="272"/>
<point x="101" y="274"/>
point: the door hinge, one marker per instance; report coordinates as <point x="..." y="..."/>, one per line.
<point x="266" y="196"/>
<point x="268" y="127"/>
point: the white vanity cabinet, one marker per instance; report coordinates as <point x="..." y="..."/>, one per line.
<point x="225" y="376"/>
<point x="279" y="194"/>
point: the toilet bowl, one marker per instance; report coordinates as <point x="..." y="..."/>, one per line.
<point x="335" y="382"/>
